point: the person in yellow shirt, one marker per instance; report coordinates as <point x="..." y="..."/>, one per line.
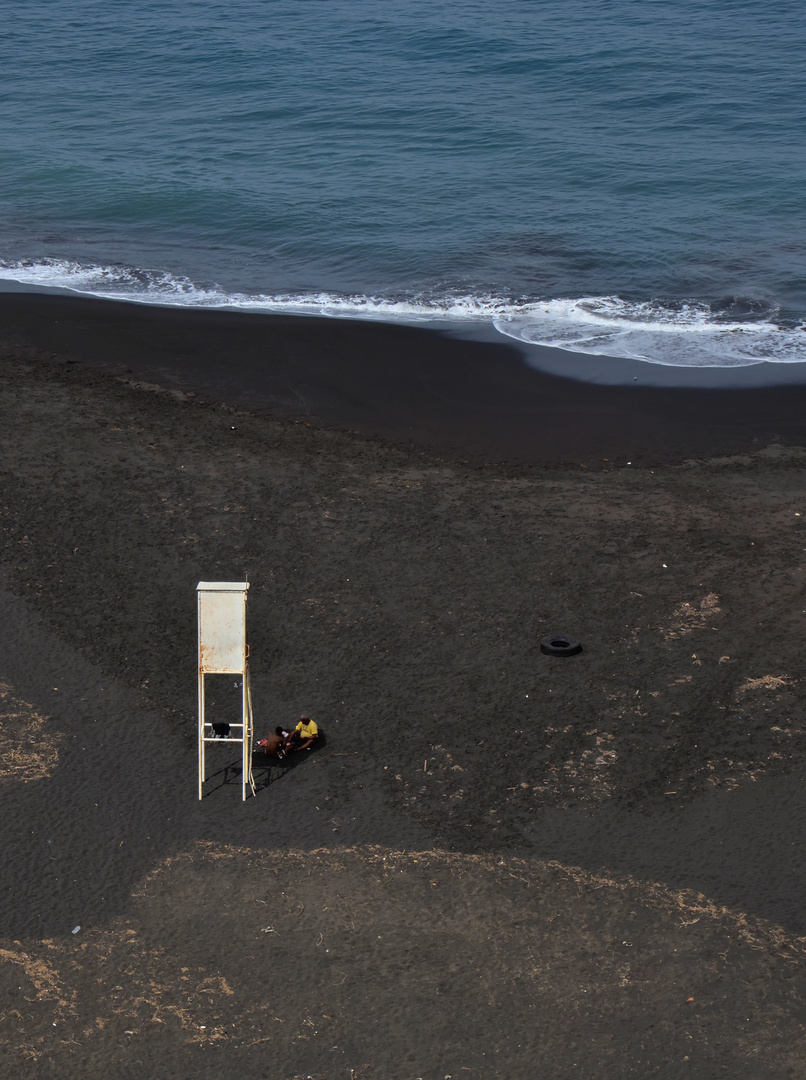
<point x="304" y="734"/>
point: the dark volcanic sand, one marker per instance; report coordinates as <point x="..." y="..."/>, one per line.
<point x="499" y="864"/>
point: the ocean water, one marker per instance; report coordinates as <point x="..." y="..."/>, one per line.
<point x="617" y="177"/>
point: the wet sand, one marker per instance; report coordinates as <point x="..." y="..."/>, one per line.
<point x="499" y="863"/>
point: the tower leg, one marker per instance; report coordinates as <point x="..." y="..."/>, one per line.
<point x="201" y="732"/>
<point x="251" y="726"/>
<point x="246" y="746"/>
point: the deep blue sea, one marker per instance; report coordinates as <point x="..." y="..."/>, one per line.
<point x="617" y="177"/>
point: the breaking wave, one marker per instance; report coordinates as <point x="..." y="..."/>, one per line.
<point x="692" y="334"/>
<point x="733" y="333"/>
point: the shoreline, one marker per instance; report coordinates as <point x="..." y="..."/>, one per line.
<point x="477" y="400"/>
<point x="603" y="370"/>
<point x="624" y="371"/>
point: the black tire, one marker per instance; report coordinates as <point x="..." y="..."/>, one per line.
<point x="560" y="645"/>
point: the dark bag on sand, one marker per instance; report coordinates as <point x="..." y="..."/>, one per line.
<point x="221" y="731"/>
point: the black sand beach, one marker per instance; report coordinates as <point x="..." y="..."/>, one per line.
<point x="499" y="863"/>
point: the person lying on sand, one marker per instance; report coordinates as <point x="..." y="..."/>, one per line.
<point x="304" y="734"/>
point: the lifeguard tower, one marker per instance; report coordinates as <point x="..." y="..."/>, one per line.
<point x="223" y="650"/>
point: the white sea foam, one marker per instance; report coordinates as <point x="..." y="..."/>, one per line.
<point x="683" y="335"/>
<point x="688" y="335"/>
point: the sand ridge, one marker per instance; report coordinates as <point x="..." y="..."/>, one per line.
<point x="324" y="960"/>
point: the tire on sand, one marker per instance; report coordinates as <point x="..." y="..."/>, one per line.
<point x="560" y="645"/>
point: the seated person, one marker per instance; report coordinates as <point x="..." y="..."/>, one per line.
<point x="275" y="744"/>
<point x="304" y="734"/>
